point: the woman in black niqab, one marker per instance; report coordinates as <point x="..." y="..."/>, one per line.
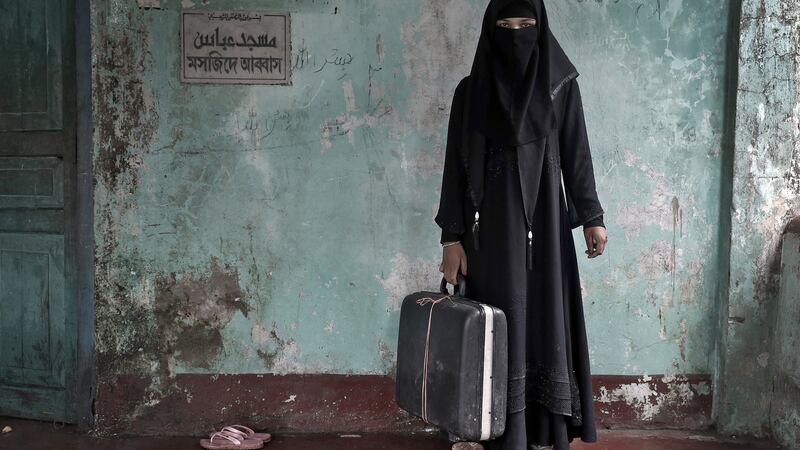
<point x="516" y="127"/>
<point x="511" y="76"/>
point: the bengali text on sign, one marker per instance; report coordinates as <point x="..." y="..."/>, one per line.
<point x="235" y="47"/>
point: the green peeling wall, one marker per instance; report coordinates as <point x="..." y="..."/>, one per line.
<point x="784" y="408"/>
<point x="276" y="229"/>
<point x="752" y="390"/>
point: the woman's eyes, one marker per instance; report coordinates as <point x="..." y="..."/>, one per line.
<point x="520" y="25"/>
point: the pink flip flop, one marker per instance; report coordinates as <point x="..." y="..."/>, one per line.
<point x="226" y="440"/>
<point x="247" y="433"/>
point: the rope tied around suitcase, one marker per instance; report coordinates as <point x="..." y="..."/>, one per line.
<point x="422" y="302"/>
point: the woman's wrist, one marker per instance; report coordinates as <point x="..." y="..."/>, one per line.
<point x="450" y="244"/>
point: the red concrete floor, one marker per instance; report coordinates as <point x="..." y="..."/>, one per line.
<point x="32" y="435"/>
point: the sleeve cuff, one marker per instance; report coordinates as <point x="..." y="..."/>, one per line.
<point x="449" y="236"/>
<point x="596" y="222"/>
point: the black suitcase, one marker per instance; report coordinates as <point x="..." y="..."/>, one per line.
<point x="465" y="367"/>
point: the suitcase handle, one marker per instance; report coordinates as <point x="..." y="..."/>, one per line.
<point x="459" y="289"/>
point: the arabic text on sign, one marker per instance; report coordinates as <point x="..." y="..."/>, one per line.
<point x="245" y="40"/>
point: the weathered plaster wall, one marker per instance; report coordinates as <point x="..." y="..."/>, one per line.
<point x="766" y="196"/>
<point x="653" y="75"/>
<point x="276" y="229"/>
<point x="785" y="368"/>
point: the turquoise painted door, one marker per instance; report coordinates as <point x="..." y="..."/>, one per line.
<point x="37" y="173"/>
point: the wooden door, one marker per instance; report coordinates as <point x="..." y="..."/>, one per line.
<point x="37" y="209"/>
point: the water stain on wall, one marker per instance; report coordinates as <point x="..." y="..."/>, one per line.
<point x="125" y="123"/>
<point x="191" y="311"/>
<point x="182" y="322"/>
<point x="124" y="110"/>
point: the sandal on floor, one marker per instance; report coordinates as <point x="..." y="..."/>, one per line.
<point x="226" y="440"/>
<point x="247" y="433"/>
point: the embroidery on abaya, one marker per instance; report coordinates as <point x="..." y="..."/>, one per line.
<point x="510" y="77"/>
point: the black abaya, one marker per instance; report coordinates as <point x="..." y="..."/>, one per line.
<point x="510" y="141"/>
<point x="549" y="398"/>
<point x="548" y="355"/>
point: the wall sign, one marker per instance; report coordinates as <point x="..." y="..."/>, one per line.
<point x="235" y="47"/>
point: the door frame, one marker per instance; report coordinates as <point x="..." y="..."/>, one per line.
<point x="85" y="377"/>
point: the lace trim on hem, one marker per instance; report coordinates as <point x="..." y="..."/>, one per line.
<point x="516" y="394"/>
<point x="556" y="390"/>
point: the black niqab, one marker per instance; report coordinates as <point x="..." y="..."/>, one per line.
<point x="510" y="83"/>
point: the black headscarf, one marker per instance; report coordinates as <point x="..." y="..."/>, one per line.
<point x="509" y="88"/>
<point x="478" y="114"/>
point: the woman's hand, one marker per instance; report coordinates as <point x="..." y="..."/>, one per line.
<point x="453" y="259"/>
<point x="596" y="239"/>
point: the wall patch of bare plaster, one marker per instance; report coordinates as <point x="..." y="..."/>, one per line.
<point x="280" y="355"/>
<point x="692" y="283"/>
<point x="409" y="276"/>
<point x="437" y="55"/>
<point x="180" y="321"/>
<point x="655" y="265"/>
<point x="665" y="209"/>
<point x="648" y="401"/>
<point x="349" y="122"/>
<point x="428" y="163"/>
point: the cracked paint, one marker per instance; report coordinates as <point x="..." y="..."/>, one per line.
<point x="649" y="399"/>
<point x="766" y="197"/>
